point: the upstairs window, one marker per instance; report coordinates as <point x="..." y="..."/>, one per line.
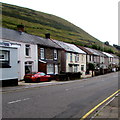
<point x="90" y="57"/>
<point x="42" y="53"/>
<point x="27" y="50"/>
<point x="75" y="58"/>
<point x="71" y="57"/>
<point x="4" y="59"/>
<point x="55" y="54"/>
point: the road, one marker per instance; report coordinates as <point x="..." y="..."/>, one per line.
<point x="71" y="100"/>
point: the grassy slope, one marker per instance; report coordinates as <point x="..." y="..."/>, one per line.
<point x="39" y="23"/>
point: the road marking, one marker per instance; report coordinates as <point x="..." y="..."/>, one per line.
<point x="92" y="110"/>
<point x="74" y="88"/>
<point x="18" y="101"/>
<point x="103" y="107"/>
<point x="14" y="101"/>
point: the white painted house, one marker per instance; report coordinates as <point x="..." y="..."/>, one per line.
<point x="79" y="58"/>
<point x="27" y="52"/>
<point x="73" y="58"/>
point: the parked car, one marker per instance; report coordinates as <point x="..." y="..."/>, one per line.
<point x="37" y="77"/>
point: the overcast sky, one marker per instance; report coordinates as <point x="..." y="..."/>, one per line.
<point x="97" y="17"/>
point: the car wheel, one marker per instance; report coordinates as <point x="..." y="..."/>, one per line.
<point x="38" y="80"/>
<point x="49" y="79"/>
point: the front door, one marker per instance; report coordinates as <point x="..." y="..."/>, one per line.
<point x="28" y="67"/>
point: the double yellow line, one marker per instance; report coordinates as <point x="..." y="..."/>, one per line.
<point x="92" y="110"/>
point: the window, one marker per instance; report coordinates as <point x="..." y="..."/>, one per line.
<point x="82" y="67"/>
<point x="70" y="57"/>
<point x="77" y="57"/>
<point x="4" y="58"/>
<point x="90" y="57"/>
<point x="75" y="68"/>
<point x="42" y="53"/>
<point x="27" y="50"/>
<point x="55" y="54"/>
<point x="50" y="69"/>
<point x="56" y="69"/>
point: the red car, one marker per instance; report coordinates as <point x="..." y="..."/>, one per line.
<point x="37" y="77"/>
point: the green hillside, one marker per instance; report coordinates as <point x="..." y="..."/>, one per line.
<point x="39" y="23"/>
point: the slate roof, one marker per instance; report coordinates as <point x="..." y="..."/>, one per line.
<point x="75" y="48"/>
<point x="115" y="56"/>
<point x="64" y="46"/>
<point x="13" y="35"/>
<point x="92" y="51"/>
<point x="98" y="52"/>
<point x="107" y="54"/>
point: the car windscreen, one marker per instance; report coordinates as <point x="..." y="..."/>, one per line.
<point x="41" y="74"/>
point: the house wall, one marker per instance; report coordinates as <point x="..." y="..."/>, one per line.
<point x="23" y="58"/>
<point x="49" y="60"/>
<point x="71" y="65"/>
<point x="82" y="61"/>
<point x="102" y="59"/>
<point x="12" y="72"/>
<point x="116" y="61"/>
<point x="63" y="61"/>
<point x="88" y="58"/>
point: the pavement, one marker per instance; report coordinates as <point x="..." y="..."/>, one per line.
<point x="109" y="110"/>
<point x="23" y="85"/>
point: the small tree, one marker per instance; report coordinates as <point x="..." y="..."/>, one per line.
<point x="91" y="67"/>
<point x="106" y="43"/>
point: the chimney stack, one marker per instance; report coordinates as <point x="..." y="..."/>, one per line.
<point x="20" y="28"/>
<point x="47" y="35"/>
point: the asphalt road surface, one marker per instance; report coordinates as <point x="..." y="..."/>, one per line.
<point x="71" y="100"/>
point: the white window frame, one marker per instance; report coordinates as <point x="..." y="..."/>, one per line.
<point x="56" y="69"/>
<point x="71" y="57"/>
<point x="55" y="54"/>
<point x="27" y="47"/>
<point x="75" y="68"/>
<point x="42" y="53"/>
<point x="5" y="54"/>
<point x="75" y="57"/>
<point x="50" y="69"/>
<point x="82" y="66"/>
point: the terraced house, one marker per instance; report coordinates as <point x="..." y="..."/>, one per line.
<point x="73" y="58"/>
<point x="49" y="55"/>
<point x="52" y="56"/>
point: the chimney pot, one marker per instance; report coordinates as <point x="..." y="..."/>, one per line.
<point x="20" y="28"/>
<point x="47" y="35"/>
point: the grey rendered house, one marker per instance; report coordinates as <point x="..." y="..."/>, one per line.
<point x="8" y="64"/>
